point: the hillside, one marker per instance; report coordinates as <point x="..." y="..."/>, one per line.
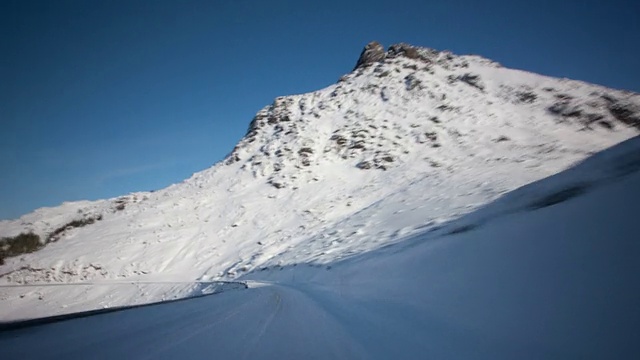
<point x="411" y="139"/>
<point x="544" y="272"/>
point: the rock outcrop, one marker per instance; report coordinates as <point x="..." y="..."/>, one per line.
<point x="373" y="52"/>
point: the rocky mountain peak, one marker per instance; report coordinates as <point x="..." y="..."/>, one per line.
<point x="413" y="104"/>
<point x="372" y="52"/>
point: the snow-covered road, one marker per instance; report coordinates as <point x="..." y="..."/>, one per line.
<point x="552" y="279"/>
<point x="263" y="322"/>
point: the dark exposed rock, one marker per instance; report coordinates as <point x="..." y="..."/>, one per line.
<point x="276" y="184"/>
<point x="233" y="157"/>
<point x="591" y="118"/>
<point x="557" y="108"/>
<point x="473" y="80"/>
<point x="564" y="108"/>
<point x="527" y="97"/>
<point x="384" y="94"/>
<point x="606" y="124"/>
<point x="424" y="55"/>
<point x="403" y="49"/>
<point x="373" y="52"/>
<point x="357" y="145"/>
<point x="411" y="82"/>
<point x="431" y="135"/>
<point x="444" y="107"/>
<point x="575" y="112"/>
<point x="564" y="97"/>
<point x="412" y="67"/>
<point x="339" y="139"/>
<point x="625" y="113"/>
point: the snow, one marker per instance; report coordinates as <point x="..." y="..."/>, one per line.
<point x="295" y="193"/>
<point x="554" y="282"/>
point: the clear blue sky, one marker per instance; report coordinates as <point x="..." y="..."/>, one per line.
<point x="102" y="98"/>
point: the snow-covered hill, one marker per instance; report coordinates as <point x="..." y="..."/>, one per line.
<point x="545" y="272"/>
<point x="410" y="140"/>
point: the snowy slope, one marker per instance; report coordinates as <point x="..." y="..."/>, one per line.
<point x="555" y="279"/>
<point x="398" y="146"/>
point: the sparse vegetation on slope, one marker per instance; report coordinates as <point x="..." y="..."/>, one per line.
<point x="28" y="242"/>
<point x="20" y="244"/>
<point x="57" y="233"/>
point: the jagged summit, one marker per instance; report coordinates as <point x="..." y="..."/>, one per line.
<point x="412" y="137"/>
<point x="412" y="104"/>
<point x="374" y="52"/>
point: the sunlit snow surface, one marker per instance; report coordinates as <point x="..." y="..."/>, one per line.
<point x="533" y="275"/>
<point x="295" y="198"/>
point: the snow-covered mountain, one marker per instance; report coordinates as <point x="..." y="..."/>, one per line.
<point x="548" y="271"/>
<point x="410" y="140"/>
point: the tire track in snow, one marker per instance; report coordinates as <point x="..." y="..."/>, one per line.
<point x="263" y="329"/>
